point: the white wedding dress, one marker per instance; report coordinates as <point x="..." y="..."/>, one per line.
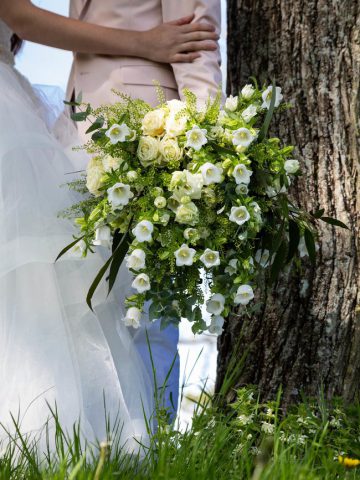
<point x="53" y="349"/>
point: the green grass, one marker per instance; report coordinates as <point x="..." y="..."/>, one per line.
<point x="248" y="440"/>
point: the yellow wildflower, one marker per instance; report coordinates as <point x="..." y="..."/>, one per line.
<point x="349" y="462"/>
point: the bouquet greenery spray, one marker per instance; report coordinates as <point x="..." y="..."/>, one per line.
<point x="194" y="200"/>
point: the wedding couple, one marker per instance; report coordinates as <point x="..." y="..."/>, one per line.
<point x="53" y="349"/>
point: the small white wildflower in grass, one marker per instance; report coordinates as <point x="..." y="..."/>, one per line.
<point x="118" y="133"/>
<point x="136" y="259"/>
<point x="267" y="95"/>
<point x="239" y="215"/>
<point x="132" y="317"/>
<point x="119" y="195"/>
<point x="143" y="231"/>
<point x="196" y="138"/>
<point x="216" y="304"/>
<point x="267" y="428"/>
<point x="210" y="258"/>
<point x="141" y="283"/>
<point x="248" y="91"/>
<point x="231" y="103"/>
<point x="185" y="256"/>
<point x="245" y="419"/>
<point x="242" y="137"/>
<point x="244" y="295"/>
<point x="211" y="173"/>
<point x="242" y="174"/>
<point x="103" y="236"/>
<point x="291" y="166"/>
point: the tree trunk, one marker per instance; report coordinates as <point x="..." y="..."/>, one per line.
<point x="307" y="335"/>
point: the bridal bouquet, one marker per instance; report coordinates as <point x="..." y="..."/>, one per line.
<point x="194" y="200"/>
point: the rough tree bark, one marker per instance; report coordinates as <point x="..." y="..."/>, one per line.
<point x="307" y="334"/>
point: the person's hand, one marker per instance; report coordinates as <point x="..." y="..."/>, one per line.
<point x="179" y="41"/>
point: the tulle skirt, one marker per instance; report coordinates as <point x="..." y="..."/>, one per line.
<point x="53" y="350"/>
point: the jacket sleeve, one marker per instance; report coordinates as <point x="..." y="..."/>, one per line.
<point x="203" y="76"/>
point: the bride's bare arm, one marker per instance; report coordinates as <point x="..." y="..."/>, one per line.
<point x="177" y="41"/>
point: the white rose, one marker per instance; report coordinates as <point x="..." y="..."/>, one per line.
<point x="231" y="103"/>
<point x="249" y="113"/>
<point x="160" y="202"/>
<point x="141" y="283"/>
<point x="216" y="304"/>
<point x="196" y="138"/>
<point x="244" y="295"/>
<point x="231" y="269"/>
<point x="262" y="257"/>
<point x="291" y="166"/>
<point x="148" y="150"/>
<point x="210" y="258"/>
<point x="267" y="95"/>
<point x="187" y="213"/>
<point x="132" y="318"/>
<point x="79" y="249"/>
<point x="185" y="256"/>
<point x="186" y="183"/>
<point x="119" y="195"/>
<point x="216" y="325"/>
<point x="242" y="189"/>
<point x="153" y="123"/>
<point x="239" y="215"/>
<point x="211" y="173"/>
<point x="170" y="150"/>
<point x="248" y="91"/>
<point x="242" y="137"/>
<point x="242" y="174"/>
<point x="94" y="174"/>
<point x="111" y="163"/>
<point x="136" y="260"/>
<point x="176" y="124"/>
<point x="143" y="231"/>
<point x="132" y="176"/>
<point x="103" y="236"/>
<point x="118" y="133"/>
<point x="175" y="106"/>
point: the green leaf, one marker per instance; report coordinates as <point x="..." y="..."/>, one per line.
<point x="226" y="151"/>
<point x="79" y="116"/>
<point x="318" y="213"/>
<point x="335" y="222"/>
<point x="294" y="239"/>
<point x="99" y="122"/>
<point x="96" y="282"/>
<point x="264" y="129"/>
<point x="310" y="244"/>
<point x="68" y="247"/>
<point x="279" y="261"/>
<point x="98" y="135"/>
<point x="154" y="311"/>
<point x="118" y="257"/>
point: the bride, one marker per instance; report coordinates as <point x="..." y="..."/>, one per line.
<point x="53" y="349"/>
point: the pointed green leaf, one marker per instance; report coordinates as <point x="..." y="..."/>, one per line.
<point x="279" y="261"/>
<point x="99" y="122"/>
<point x="96" y="282"/>
<point x="335" y="222"/>
<point x="310" y="244"/>
<point x="294" y="239"/>
<point x="118" y="257"/>
<point x="68" y="247"/>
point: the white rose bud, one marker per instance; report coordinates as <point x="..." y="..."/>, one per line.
<point x="148" y="150"/>
<point x="153" y="123"/>
<point x="141" y="283"/>
<point x="231" y="103"/>
<point x="185" y="256"/>
<point x="242" y="189"/>
<point x="143" y="231"/>
<point x="187" y="214"/>
<point x="191" y="234"/>
<point x="291" y="166"/>
<point x="216" y="304"/>
<point x="244" y="295"/>
<point x="132" y="176"/>
<point x="118" y="133"/>
<point x="132" y="318"/>
<point x="170" y="150"/>
<point x="239" y="215"/>
<point x="136" y="259"/>
<point x="160" y="202"/>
